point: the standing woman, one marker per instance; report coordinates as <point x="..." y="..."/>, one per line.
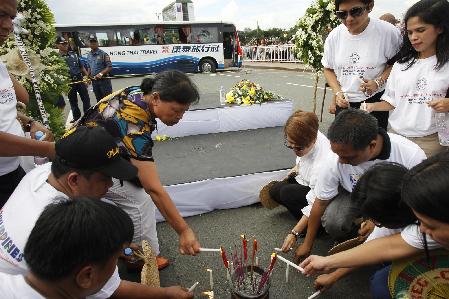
<point x="130" y="115"/>
<point x="419" y="80"/>
<point x="356" y="56"/>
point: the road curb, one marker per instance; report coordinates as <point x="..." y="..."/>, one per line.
<point x="277" y="67"/>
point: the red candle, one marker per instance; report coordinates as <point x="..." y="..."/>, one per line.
<point x="225" y="259"/>
<point x="273" y="261"/>
<point x="245" y="248"/>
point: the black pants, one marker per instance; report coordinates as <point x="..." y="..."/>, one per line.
<point x="102" y="88"/>
<point x="291" y="195"/>
<point x="8" y="184"/>
<point x="81" y="89"/>
<point x="382" y="116"/>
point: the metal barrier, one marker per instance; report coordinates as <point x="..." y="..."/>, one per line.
<point x="272" y="53"/>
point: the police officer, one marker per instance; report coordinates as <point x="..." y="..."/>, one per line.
<point x="77" y="70"/>
<point x="99" y="66"/>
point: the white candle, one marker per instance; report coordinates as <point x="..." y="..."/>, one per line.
<point x="280" y="250"/>
<point x="210" y="250"/>
<point x="211" y="279"/>
<point x="192" y="288"/>
<point x="291" y="263"/>
<point x="314" y="295"/>
<point x="257" y="261"/>
<point x="287" y="270"/>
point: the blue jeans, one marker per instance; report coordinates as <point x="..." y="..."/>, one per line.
<point x="379" y="284"/>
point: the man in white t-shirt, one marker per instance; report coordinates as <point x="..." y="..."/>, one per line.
<point x="358" y="144"/>
<point x="12" y="140"/>
<point x="86" y="160"/>
<point x="91" y="235"/>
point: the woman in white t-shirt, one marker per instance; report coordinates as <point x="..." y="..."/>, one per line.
<point x="356" y="57"/>
<point x="311" y="148"/>
<point x="419" y="80"/>
<point x="425" y="191"/>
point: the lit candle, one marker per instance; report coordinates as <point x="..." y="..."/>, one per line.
<point x="192" y="288"/>
<point x="245" y="248"/>
<point x="273" y="261"/>
<point x="287" y="270"/>
<point x="211" y="279"/>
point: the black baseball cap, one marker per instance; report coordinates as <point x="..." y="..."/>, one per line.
<point x="61" y="40"/>
<point x="92" y="37"/>
<point x="93" y="148"/>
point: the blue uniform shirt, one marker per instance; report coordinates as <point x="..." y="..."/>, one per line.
<point x="98" y="60"/>
<point x="74" y="64"/>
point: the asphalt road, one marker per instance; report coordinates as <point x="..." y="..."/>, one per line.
<point x="228" y="154"/>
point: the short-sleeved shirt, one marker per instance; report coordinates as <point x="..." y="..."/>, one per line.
<point x="18" y="217"/>
<point x="362" y="55"/>
<point x="396" y="149"/>
<point x="413" y="237"/>
<point x="98" y="60"/>
<point x="73" y="62"/>
<point x="126" y="117"/>
<point x="15" y="287"/>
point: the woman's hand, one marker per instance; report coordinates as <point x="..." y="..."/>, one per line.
<point x="289" y="242"/>
<point x="333" y="108"/>
<point x="188" y="243"/>
<point x="340" y="100"/>
<point x="324" y="282"/>
<point x="368" y="87"/>
<point x="439" y="105"/>
<point x="293" y="172"/>
<point x="177" y="292"/>
<point x="37" y="126"/>
<point x="314" y="264"/>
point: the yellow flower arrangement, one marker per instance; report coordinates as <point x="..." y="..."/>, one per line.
<point x="248" y="93"/>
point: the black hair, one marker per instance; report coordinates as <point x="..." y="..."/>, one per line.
<point x="58" y="169"/>
<point x="425" y="188"/>
<point x="172" y="86"/>
<point x="353" y="127"/>
<point x="434" y="12"/>
<point x="378" y="193"/>
<point x="338" y="2"/>
<point x="73" y="233"/>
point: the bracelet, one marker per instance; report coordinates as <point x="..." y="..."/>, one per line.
<point x="338" y="92"/>
<point x="294" y="233"/>
<point x="100" y="74"/>
<point x="380" y="82"/>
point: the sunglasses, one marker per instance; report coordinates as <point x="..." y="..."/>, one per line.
<point x="353" y="12"/>
<point x="295" y="148"/>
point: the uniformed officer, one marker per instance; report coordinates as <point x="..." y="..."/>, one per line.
<point x="76" y="70"/>
<point x="99" y="66"/>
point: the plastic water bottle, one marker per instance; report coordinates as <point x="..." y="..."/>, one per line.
<point x="222" y="95"/>
<point x="442" y="124"/>
<point x="39" y="135"/>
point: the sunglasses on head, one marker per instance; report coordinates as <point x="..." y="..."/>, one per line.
<point x="354" y="12"/>
<point x="295" y="148"/>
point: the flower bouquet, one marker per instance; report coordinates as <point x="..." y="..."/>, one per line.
<point x="248" y="93"/>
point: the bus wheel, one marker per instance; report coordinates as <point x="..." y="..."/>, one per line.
<point x="207" y="66"/>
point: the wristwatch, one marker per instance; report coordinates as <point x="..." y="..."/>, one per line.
<point x="294" y="233"/>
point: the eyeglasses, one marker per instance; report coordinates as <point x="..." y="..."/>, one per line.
<point x="295" y="148"/>
<point x="353" y="12"/>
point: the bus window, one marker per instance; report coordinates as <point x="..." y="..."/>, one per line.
<point x="171" y="34"/>
<point x="103" y="39"/>
<point x="185" y="34"/>
<point x="203" y="34"/>
<point x="147" y="36"/>
<point x="159" y="34"/>
<point x="124" y="37"/>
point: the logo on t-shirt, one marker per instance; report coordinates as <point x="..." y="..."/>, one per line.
<point x="354" y="178"/>
<point x="421" y="84"/>
<point x="354" y="58"/>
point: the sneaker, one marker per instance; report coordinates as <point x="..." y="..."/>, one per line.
<point x="162" y="262"/>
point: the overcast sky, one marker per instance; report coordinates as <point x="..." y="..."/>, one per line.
<point x="243" y="13"/>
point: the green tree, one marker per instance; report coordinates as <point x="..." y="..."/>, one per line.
<point x="50" y="69"/>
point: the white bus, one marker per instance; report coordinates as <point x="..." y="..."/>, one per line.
<point x="150" y="48"/>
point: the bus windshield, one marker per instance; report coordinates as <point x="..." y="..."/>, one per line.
<point x="150" y="48"/>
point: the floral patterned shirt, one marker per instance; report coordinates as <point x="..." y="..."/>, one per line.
<point x="126" y="117"/>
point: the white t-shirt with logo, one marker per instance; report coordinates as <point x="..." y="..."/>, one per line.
<point x="413" y="237"/>
<point x="18" y="217"/>
<point x="309" y="166"/>
<point x="409" y="91"/>
<point x="15" y="287"/>
<point x="8" y="117"/>
<point x="403" y="151"/>
<point x="362" y="55"/>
